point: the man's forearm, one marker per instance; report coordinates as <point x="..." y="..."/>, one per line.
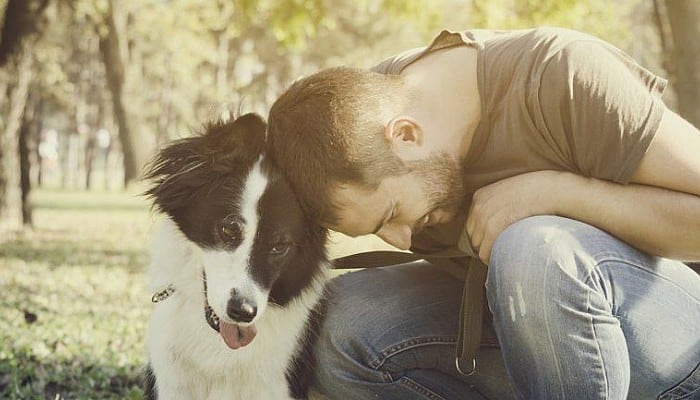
<point x="658" y="221"/>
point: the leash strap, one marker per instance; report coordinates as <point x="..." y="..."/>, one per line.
<point x="471" y="317"/>
<point x="471" y="313"/>
<point x="384" y="258"/>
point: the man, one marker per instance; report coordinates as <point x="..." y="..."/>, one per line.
<point x="550" y="155"/>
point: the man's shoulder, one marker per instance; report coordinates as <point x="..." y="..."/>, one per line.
<point x="396" y="63"/>
<point x="445" y="39"/>
<point x="489" y="39"/>
<point x="560" y="34"/>
<point x="535" y="42"/>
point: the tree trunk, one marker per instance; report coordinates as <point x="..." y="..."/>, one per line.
<point x="684" y="21"/>
<point x="27" y="143"/>
<point x="10" y="191"/>
<point x="93" y="100"/>
<point x="89" y="158"/>
<point x="35" y="159"/>
<point x="134" y="156"/>
<point x="22" y="24"/>
<point x="166" y="118"/>
<point x="105" y="116"/>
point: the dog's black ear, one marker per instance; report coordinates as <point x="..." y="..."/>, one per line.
<point x="242" y="139"/>
<point x="173" y="171"/>
<point x="221" y="148"/>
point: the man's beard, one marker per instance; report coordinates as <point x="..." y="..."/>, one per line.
<point x="442" y="181"/>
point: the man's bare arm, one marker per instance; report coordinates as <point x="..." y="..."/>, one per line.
<point x="673" y="159"/>
<point x="664" y="209"/>
<point x="659" y="213"/>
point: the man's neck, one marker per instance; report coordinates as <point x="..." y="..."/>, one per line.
<point x="445" y="98"/>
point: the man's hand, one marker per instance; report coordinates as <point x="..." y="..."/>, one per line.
<point x="496" y="206"/>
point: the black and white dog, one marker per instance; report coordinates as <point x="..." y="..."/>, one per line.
<point x="238" y="272"/>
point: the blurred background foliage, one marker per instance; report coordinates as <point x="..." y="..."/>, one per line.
<point x="89" y="89"/>
<point x="113" y="79"/>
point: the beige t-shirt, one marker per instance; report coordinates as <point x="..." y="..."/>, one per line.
<point x="553" y="99"/>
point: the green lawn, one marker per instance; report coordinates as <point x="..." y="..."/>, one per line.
<point x="81" y="273"/>
<point x="74" y="304"/>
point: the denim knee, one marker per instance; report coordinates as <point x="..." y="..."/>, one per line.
<point x="534" y="255"/>
<point x="568" y="297"/>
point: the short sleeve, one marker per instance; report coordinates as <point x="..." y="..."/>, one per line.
<point x="599" y="108"/>
<point x="395" y="64"/>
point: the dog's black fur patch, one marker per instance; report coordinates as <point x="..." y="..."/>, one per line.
<point x="198" y="179"/>
<point x="198" y="183"/>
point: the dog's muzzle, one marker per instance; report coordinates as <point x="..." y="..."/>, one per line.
<point x="235" y="336"/>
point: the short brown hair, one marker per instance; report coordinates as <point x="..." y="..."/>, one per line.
<point x="327" y="129"/>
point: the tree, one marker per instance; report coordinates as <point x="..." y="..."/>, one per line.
<point x="113" y="54"/>
<point x="23" y="21"/>
<point x="28" y="142"/>
<point x="682" y="50"/>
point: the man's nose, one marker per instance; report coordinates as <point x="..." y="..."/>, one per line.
<point x="398" y="236"/>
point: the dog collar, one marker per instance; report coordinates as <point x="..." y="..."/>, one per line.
<point x="209" y="314"/>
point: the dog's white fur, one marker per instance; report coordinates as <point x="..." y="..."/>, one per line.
<point x="229" y="270"/>
<point x="190" y="359"/>
<point x="184" y="348"/>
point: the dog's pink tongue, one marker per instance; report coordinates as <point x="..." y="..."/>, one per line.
<point x="236" y="336"/>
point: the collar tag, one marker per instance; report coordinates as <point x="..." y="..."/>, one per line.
<point x="163" y="294"/>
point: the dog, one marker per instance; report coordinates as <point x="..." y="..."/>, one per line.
<point x="239" y="272"/>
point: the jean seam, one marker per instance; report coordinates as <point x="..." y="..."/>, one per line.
<point x="409" y="344"/>
<point x="420" y="389"/>
<point x="597" y="344"/>
<point x="607" y="257"/>
<point x="669" y="393"/>
<point x="557" y="364"/>
<point x="603" y="258"/>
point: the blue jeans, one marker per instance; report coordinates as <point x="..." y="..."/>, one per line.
<point x="578" y="313"/>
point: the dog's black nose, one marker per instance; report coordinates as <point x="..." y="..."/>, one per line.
<point x="241" y="310"/>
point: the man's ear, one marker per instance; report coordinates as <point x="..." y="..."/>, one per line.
<point x="405" y="136"/>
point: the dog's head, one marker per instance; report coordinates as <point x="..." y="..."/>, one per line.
<point x="255" y="244"/>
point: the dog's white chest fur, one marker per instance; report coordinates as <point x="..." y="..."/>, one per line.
<point x="190" y="359"/>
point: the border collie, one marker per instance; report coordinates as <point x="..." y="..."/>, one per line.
<point x="238" y="272"/>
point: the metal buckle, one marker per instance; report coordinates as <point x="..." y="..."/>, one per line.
<point x="163" y="294"/>
<point x="471" y="371"/>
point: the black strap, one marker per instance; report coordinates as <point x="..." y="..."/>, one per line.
<point x="469" y="336"/>
<point x="383" y="258"/>
<point x="471" y="317"/>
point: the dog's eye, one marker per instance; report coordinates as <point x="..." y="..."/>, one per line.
<point x="231" y="230"/>
<point x="280" y="248"/>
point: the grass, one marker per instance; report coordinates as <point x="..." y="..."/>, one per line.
<point x="74" y="304"/>
<point x="73" y="308"/>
